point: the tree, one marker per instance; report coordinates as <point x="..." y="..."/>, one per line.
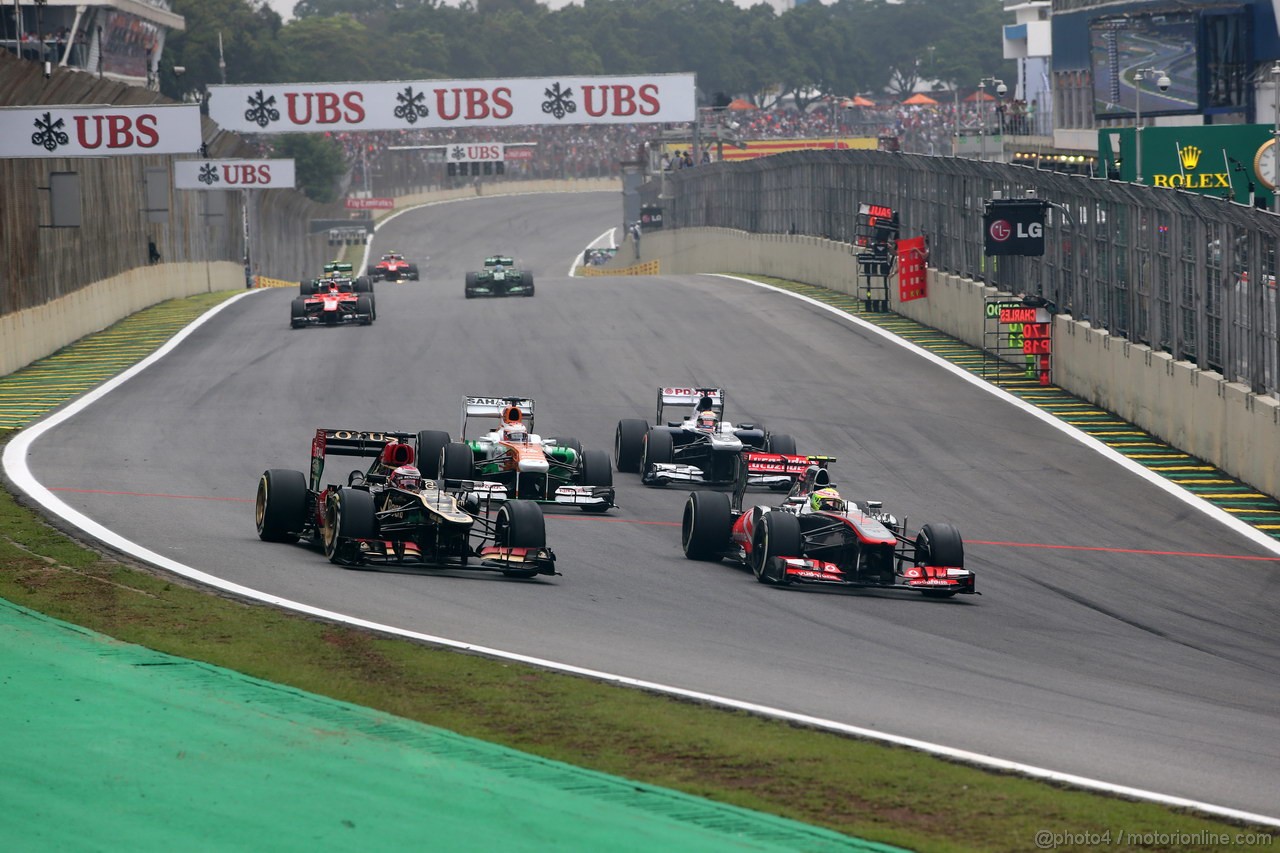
<point x="248" y="30"/>
<point x="318" y="161"/>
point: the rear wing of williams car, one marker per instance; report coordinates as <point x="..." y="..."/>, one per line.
<point x="494" y="407"/>
<point x="692" y="399"/>
<point x="347" y="442"/>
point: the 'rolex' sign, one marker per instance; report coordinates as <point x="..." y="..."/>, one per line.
<point x="1230" y="161"/>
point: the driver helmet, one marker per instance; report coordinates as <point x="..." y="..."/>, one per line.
<point x="826" y="500"/>
<point x="706" y="421"/>
<point x="515" y="432"/>
<point x="406" y="477"/>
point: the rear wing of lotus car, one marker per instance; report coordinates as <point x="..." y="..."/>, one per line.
<point x="495" y="407"/>
<point x="693" y="399"/>
<point x="346" y="442"/>
<point x="760" y="468"/>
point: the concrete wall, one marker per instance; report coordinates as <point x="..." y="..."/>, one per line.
<point x="34" y="333"/>
<point x="1195" y="410"/>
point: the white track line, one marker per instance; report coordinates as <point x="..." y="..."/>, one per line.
<point x="15" y="466"/>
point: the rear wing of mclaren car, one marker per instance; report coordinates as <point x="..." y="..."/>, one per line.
<point x="758" y="467"/>
<point x="348" y="442"/>
<point x="496" y="407"/>
<point x="691" y="399"/>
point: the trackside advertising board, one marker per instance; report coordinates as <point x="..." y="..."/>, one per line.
<point x="407" y="104"/>
<point x="1226" y="160"/>
<point x="233" y="174"/>
<point x="61" y="130"/>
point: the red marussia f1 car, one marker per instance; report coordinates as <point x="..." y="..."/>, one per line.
<point x="333" y="302"/>
<point x="393" y="267"/>
<point x="389" y="515"/>
<point x="818" y="537"/>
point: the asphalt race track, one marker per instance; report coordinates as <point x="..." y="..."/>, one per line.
<point x="1122" y="635"/>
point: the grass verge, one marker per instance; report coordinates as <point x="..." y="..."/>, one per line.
<point x="887" y="794"/>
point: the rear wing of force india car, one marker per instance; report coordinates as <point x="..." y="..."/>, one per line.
<point x="757" y="467"/>
<point x="692" y="399"/>
<point x="495" y="408"/>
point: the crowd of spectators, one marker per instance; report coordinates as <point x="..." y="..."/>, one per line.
<point x="397" y="160"/>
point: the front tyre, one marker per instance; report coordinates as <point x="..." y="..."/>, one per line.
<point x="348" y="517"/>
<point x="628" y="444"/>
<point x="777" y="535"/>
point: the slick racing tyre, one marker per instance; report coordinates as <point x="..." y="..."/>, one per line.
<point x="659" y="447"/>
<point x="777" y="535"/>
<point x="457" y="462"/>
<point x="520" y="524"/>
<point x="298" y="312"/>
<point x="348" y="517"/>
<point x="430" y="444"/>
<point x="939" y="545"/>
<point x="364" y="310"/>
<point x="782" y="443"/>
<point x="528" y="282"/>
<point x="596" y="472"/>
<point x="706" y="526"/>
<point x="628" y="444"/>
<point x="280" y="508"/>
<point x="363" y="284"/>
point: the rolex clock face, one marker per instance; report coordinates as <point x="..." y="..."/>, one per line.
<point x="1264" y="164"/>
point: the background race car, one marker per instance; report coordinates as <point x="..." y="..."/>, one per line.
<point x="393" y="267"/>
<point x="818" y="536"/>
<point x="390" y="515"/>
<point x="336" y="271"/>
<point x="499" y="278"/>
<point x="702" y="448"/>
<point x="554" y="470"/>
<point x="338" y="303"/>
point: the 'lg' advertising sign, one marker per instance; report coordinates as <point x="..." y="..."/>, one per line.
<point x="404" y="105"/>
<point x="1014" y="227"/>
<point x="59" y="130"/>
<point x="233" y="174"/>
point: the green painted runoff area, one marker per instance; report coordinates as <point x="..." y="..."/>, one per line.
<point x="111" y="746"/>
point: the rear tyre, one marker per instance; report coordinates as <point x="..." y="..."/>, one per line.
<point x="782" y="443"/>
<point x="306" y="288"/>
<point x="280" y="508"/>
<point x="706" y="526"/>
<point x="430" y="443"/>
<point x="628" y="443"/>
<point x="777" y="535"/>
<point x="457" y="462"/>
<point x="348" y="517"/>
<point x="659" y="448"/>
<point x="596" y="472"/>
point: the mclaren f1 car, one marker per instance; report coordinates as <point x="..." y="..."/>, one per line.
<point x="816" y="536"/>
<point x="389" y="515"/>
<point x="701" y="448"/>
<point x="499" y="278"/>
<point x="521" y="463"/>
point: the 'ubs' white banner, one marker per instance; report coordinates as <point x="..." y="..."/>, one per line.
<point x="62" y="130"/>
<point x="404" y="105"/>
<point x="233" y="174"/>
<point x="469" y="152"/>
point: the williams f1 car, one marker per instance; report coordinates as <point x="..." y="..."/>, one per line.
<point x="339" y="302"/>
<point x="499" y="278"/>
<point x="702" y="448"/>
<point x="818" y="537"/>
<point x="519" y="463"/>
<point x="393" y="267"/>
<point x="389" y="515"/>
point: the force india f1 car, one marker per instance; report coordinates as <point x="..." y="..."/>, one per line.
<point x="521" y="464"/>
<point x="393" y="267"/>
<point x="388" y="515"/>
<point x="703" y="448"/>
<point x="499" y="278"/>
<point x="818" y="537"/>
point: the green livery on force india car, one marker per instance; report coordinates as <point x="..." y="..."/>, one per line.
<point x="391" y="515"/>
<point x="817" y="536"/>
<point x="499" y="278"/>
<point x="702" y="448"/>
<point x="512" y="460"/>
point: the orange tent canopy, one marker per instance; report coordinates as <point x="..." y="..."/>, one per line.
<point x="979" y="96"/>
<point x="740" y="104"/>
<point x="859" y="101"/>
<point x="920" y="99"/>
